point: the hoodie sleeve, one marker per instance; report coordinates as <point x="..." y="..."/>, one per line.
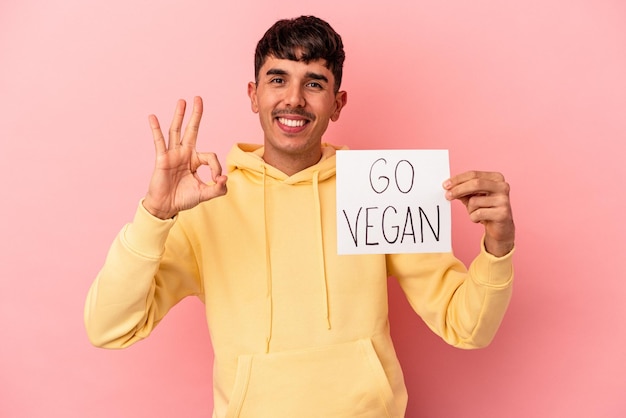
<point x="464" y="307"/>
<point x="149" y="268"/>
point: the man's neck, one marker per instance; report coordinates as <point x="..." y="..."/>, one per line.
<point x="292" y="164"/>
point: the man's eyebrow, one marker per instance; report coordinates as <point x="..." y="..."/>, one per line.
<point x="310" y="74"/>
<point x="316" y="76"/>
<point x="276" y="71"/>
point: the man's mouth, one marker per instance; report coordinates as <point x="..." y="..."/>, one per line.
<point x="293" y="119"/>
<point x="292" y="123"/>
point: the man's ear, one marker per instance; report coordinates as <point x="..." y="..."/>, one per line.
<point x="341" y="99"/>
<point x="253" y="98"/>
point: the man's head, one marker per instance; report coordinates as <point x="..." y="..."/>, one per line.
<point x="306" y="38"/>
<point x="296" y="90"/>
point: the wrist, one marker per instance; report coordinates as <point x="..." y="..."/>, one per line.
<point x="155" y="211"/>
<point x="498" y="248"/>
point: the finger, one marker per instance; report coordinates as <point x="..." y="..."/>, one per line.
<point x="478" y="186"/>
<point x="177" y="122"/>
<point x="478" y="202"/>
<point x="191" y="130"/>
<point x="218" y="186"/>
<point x="157" y="135"/>
<point x="210" y="191"/>
<point x="472" y="175"/>
<point x="497" y="214"/>
<point x="210" y="159"/>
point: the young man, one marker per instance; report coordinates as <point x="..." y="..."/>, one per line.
<point x="297" y="330"/>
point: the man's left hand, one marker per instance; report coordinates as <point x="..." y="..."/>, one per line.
<point x="486" y="197"/>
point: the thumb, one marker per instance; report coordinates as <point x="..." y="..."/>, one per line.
<point x="209" y="191"/>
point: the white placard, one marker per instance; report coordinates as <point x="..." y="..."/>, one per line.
<point x="392" y="201"/>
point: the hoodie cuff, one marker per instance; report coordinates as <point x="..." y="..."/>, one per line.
<point x="487" y="269"/>
<point x="147" y="234"/>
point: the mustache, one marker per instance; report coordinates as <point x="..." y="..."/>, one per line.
<point x="295" y="111"/>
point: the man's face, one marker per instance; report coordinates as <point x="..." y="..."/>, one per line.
<point x="295" y="101"/>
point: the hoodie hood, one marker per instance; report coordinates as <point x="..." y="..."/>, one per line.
<point x="249" y="157"/>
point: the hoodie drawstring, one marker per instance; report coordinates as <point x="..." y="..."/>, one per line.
<point x="320" y="243"/>
<point x="268" y="268"/>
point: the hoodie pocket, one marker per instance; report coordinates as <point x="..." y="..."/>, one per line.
<point x="345" y="380"/>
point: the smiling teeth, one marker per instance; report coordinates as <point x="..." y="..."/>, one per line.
<point x="292" y="123"/>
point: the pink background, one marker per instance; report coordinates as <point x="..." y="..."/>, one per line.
<point x="535" y="89"/>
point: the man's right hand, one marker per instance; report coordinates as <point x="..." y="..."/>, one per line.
<point x="175" y="184"/>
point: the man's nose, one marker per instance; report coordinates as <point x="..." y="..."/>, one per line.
<point x="294" y="96"/>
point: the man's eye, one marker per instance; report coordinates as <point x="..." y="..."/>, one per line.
<point x="314" y="85"/>
<point x="277" y="80"/>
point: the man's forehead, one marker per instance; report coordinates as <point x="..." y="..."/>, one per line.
<point x="288" y="66"/>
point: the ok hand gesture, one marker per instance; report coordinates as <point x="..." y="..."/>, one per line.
<point x="175" y="184"/>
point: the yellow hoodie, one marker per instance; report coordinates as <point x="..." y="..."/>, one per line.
<point x="297" y="330"/>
